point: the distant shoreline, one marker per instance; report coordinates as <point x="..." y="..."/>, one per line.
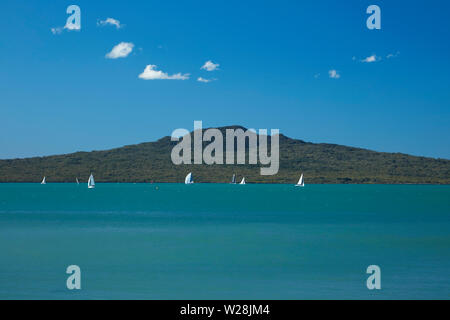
<point x="248" y="183"/>
<point x="321" y="163"/>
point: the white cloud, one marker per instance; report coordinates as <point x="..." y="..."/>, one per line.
<point x="334" y="74"/>
<point x="57" y="30"/>
<point x="68" y="26"/>
<point x="111" y="22"/>
<point x="370" y="59"/>
<point x="150" y="73"/>
<point x="122" y="50"/>
<point x="200" y="79"/>
<point x="210" y="66"/>
<point x="71" y="26"/>
<point x="393" y="55"/>
<point x="316" y="76"/>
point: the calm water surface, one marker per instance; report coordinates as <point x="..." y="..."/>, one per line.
<point x="212" y="241"/>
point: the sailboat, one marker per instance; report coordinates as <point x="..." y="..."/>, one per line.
<point x="43" y="181"/>
<point x="301" y="182"/>
<point x="233" y="180"/>
<point x="189" y="179"/>
<point x="78" y="182"/>
<point x="91" y="182"/>
<point x="243" y="181"/>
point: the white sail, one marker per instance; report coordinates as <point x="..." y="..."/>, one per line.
<point x="243" y="180"/>
<point x="78" y="182"/>
<point x="233" y="180"/>
<point x="301" y="182"/>
<point x="91" y="182"/>
<point x="43" y="181"/>
<point x="189" y="179"/>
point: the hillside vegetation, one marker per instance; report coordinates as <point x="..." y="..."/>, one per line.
<point x="147" y="162"/>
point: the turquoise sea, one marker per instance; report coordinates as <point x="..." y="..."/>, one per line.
<point x="213" y="241"/>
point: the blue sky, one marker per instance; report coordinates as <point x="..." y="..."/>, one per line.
<point x="59" y="93"/>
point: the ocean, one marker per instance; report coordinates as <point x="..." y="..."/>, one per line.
<point x="222" y="241"/>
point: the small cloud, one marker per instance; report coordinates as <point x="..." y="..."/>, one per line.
<point x="150" y="73"/>
<point x="334" y="74"/>
<point x="72" y="27"/>
<point x="316" y="76"/>
<point x="210" y="66"/>
<point x="111" y="22"/>
<point x="69" y="26"/>
<point x="393" y="55"/>
<point x="122" y="50"/>
<point x="370" y="59"/>
<point x="200" y="79"/>
<point x="354" y="58"/>
<point x="57" y="30"/>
